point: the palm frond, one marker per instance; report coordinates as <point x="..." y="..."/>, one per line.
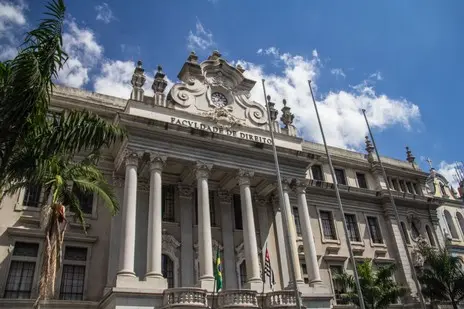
<point x="102" y="189"/>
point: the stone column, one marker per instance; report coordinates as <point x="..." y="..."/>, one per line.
<point x="205" y="248"/>
<point x="186" y="234"/>
<point x="281" y="243"/>
<point x="230" y="278"/>
<point x="292" y="231"/>
<point x="249" y="232"/>
<point x="154" y="244"/>
<point x="127" y="249"/>
<point x="307" y="234"/>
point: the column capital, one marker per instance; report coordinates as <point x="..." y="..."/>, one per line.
<point x="202" y="169"/>
<point x="131" y="158"/>
<point x="286" y="184"/>
<point x="224" y="196"/>
<point x="244" y="176"/>
<point x="261" y="201"/>
<point x="157" y="161"/>
<point x="185" y="191"/>
<point x="301" y="185"/>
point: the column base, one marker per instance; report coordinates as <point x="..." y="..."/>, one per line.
<point x="126" y="273"/>
<point x="206" y="283"/>
<point x="156" y="281"/>
<point x="126" y="281"/>
<point x="255" y="284"/>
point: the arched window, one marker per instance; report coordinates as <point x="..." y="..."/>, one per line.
<point x="167" y="266"/>
<point x="414" y="230"/>
<point x="450" y="223"/>
<point x="405" y="232"/>
<point x="243" y="274"/>
<point x="461" y="221"/>
<point x="430" y="235"/>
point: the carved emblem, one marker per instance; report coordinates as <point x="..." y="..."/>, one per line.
<point x="223" y="117"/>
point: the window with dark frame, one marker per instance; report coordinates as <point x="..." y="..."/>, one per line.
<point x="340" y="175"/>
<point x="402" y="186"/>
<point x="32" y="196"/>
<point x="296" y="218"/>
<point x="317" y="172"/>
<point x="339" y="289"/>
<point x="85" y="200"/>
<point x="21" y="273"/>
<point x="243" y="274"/>
<point x="168" y="204"/>
<point x="374" y="230"/>
<point x="409" y="187"/>
<point x="212" y="207"/>
<point x="167" y="268"/>
<point x="352" y="226"/>
<point x="237" y="212"/>
<point x="362" y="183"/>
<point x="328" y="227"/>
<point x="395" y="184"/>
<point x="73" y="273"/>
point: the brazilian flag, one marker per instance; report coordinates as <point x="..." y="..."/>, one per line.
<point x="218" y="271"/>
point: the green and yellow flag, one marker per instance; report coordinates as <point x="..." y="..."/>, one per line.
<point x="218" y="271"/>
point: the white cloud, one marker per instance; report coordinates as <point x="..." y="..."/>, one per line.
<point x="12" y="24"/>
<point x="202" y="39"/>
<point x="84" y="53"/>
<point x="448" y="171"/>
<point x="115" y="79"/>
<point x="338" y="72"/>
<point x="104" y="13"/>
<point x="340" y="111"/>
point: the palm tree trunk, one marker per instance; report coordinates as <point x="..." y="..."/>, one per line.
<point x="455" y="304"/>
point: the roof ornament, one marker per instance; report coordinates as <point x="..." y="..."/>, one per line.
<point x="409" y="157"/>
<point x="193" y="58"/>
<point x="137" y="81"/>
<point x="370" y="150"/>
<point x="240" y="68"/>
<point x="159" y="83"/>
<point x="215" y="55"/>
<point x="287" y="117"/>
<point x="273" y="111"/>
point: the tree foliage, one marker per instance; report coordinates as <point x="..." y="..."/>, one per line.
<point x="378" y="287"/>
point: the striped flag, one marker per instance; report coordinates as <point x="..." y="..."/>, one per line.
<point x="218" y="271"/>
<point x="268" y="272"/>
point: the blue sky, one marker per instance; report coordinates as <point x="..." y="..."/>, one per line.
<point x="398" y="59"/>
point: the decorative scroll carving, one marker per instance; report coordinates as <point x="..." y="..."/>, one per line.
<point x="224" y="196"/>
<point x="255" y="112"/>
<point x="170" y="247"/>
<point x="184" y="94"/>
<point x="223" y="117"/>
<point x="244" y="176"/>
<point x="185" y="191"/>
<point x="202" y="169"/>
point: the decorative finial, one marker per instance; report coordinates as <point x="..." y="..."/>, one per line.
<point x="287" y="117"/>
<point x="137" y="81"/>
<point x="369" y="147"/>
<point x="193" y="58"/>
<point x="272" y="109"/>
<point x="409" y="157"/>
<point x="159" y="83"/>
<point x="240" y="68"/>
<point x="215" y="55"/>
<point x="429" y="162"/>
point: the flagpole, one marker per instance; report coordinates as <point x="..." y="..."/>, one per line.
<point x="340" y="205"/>
<point x="397" y="217"/>
<point x="284" y="209"/>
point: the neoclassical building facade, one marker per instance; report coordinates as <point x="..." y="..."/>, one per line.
<point x="196" y="176"/>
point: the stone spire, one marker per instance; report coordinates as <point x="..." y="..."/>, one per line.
<point x="215" y="55"/>
<point x="369" y="149"/>
<point x="138" y="80"/>
<point x="287" y="117"/>
<point x="409" y="157"/>
<point x="193" y="58"/>
<point x="272" y="109"/>
<point x="240" y="68"/>
<point x="159" y="83"/>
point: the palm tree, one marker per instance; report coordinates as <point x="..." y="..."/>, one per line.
<point x="378" y="287"/>
<point x="442" y="276"/>
<point x="58" y="153"/>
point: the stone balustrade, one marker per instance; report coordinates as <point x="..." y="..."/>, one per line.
<point x="237" y="299"/>
<point x="185" y="297"/>
<point x="281" y="299"/>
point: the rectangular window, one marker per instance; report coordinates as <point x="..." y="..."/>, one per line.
<point x="403" y="186"/>
<point x="296" y="217"/>
<point x="409" y="187"/>
<point x="338" y="288"/>
<point x="340" y="175"/>
<point x="328" y="227"/>
<point x="212" y="207"/>
<point x="317" y="172"/>
<point x="168" y="198"/>
<point x="32" y="196"/>
<point x="395" y="184"/>
<point x="85" y="200"/>
<point x="22" y="269"/>
<point x="361" y="180"/>
<point x="374" y="230"/>
<point x="237" y="212"/>
<point x="352" y="226"/>
<point x="304" y="273"/>
<point x="73" y="273"/>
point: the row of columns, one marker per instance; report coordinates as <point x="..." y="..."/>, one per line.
<point x="205" y="254"/>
